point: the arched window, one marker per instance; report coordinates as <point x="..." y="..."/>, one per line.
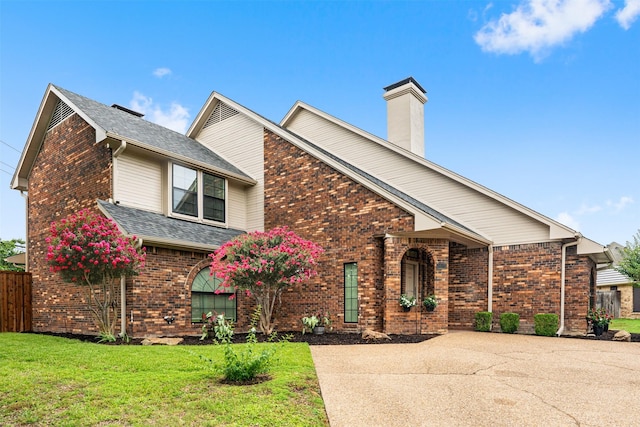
<point x="204" y="298"/>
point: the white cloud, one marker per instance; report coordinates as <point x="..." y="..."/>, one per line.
<point x="161" y="72"/>
<point x="175" y="118"/>
<point x="538" y="25"/>
<point x="628" y="13"/>
<point x="620" y="204"/>
<point x="585" y="209"/>
<point x="568" y="220"/>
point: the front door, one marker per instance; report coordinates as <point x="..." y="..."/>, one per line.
<point x="411" y="279"/>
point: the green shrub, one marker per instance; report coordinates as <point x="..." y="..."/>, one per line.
<point x="546" y="324"/>
<point x="509" y="322"/>
<point x="483" y="321"/>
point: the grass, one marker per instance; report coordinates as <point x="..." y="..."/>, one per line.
<point x="47" y="380"/>
<point x="629" y="325"/>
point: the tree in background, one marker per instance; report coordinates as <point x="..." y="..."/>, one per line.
<point x="89" y="250"/>
<point x="9" y="248"/>
<point x="263" y="264"/>
<point x="630" y="263"/>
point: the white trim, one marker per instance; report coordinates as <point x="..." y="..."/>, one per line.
<point x="200" y="194"/>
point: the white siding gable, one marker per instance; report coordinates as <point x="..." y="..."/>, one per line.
<point x="480" y="212"/>
<point x="239" y="140"/>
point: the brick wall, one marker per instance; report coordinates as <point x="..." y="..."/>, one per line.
<point x="70" y="172"/>
<point x="418" y="320"/>
<point x="323" y="205"/>
<point x="527" y="281"/>
<point x="468" y="277"/>
<point x="163" y="288"/>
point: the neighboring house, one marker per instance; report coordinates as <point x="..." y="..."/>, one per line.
<point x="611" y="281"/>
<point x="390" y="221"/>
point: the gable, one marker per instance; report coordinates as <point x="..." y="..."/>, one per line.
<point x="119" y="126"/>
<point x="454" y="196"/>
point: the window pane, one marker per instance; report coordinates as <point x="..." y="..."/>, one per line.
<point x="213" y="186"/>
<point x="213" y="197"/>
<point x="213" y="209"/>
<point x="205" y="300"/>
<point x="185" y="202"/>
<point x="185" y="190"/>
<point x="351" y="292"/>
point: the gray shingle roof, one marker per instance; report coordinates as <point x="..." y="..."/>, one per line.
<point x="149" y="225"/>
<point x="129" y="126"/>
<point x="610" y="277"/>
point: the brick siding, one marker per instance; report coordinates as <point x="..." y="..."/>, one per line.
<point x="70" y="172"/>
<point x="347" y="219"/>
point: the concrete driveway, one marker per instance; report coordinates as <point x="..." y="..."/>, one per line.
<point x="481" y="379"/>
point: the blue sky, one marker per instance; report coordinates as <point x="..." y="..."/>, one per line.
<point x="538" y="100"/>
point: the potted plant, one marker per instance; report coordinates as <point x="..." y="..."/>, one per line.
<point x="430" y="302"/>
<point x="316" y="323"/>
<point x="324" y="321"/>
<point x="599" y="320"/>
<point x="309" y="323"/>
<point x="407" y="302"/>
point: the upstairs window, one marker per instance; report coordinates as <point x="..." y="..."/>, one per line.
<point x="198" y="194"/>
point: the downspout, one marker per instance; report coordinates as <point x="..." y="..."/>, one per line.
<point x="120" y="149"/>
<point x="562" y="280"/>
<point x="123" y="305"/>
<point x="490" y="281"/>
<point x="123" y="279"/>
<point x="26" y="224"/>
<point x="123" y="300"/>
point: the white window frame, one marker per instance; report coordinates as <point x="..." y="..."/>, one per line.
<point x="200" y="193"/>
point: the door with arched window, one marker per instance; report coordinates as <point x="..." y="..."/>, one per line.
<point x="209" y="296"/>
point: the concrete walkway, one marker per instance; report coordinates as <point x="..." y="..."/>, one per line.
<point x="481" y="379"/>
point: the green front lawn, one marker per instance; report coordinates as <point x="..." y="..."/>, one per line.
<point x="47" y="380"/>
<point x="629" y="325"/>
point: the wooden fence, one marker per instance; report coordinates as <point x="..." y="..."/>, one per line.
<point x="15" y="301"/>
<point x="609" y="300"/>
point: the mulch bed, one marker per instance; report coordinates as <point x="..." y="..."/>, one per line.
<point x="324" y="339"/>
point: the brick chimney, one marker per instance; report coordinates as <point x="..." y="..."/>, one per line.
<point x="405" y="115"/>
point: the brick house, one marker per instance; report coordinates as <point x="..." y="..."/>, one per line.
<point x="390" y="221"/>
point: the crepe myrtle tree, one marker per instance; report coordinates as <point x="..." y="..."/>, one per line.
<point x="629" y="265"/>
<point x="263" y="264"/>
<point x="89" y="250"/>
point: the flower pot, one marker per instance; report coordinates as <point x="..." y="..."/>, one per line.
<point x="598" y="329"/>
<point x="318" y="330"/>
<point x="429" y="308"/>
<point x="606" y="327"/>
<point x="406" y="308"/>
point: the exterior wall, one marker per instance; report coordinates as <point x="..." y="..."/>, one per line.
<point x="163" y="288"/>
<point x="70" y="172"/>
<point x="497" y="221"/>
<point x="577" y="292"/>
<point x="138" y="182"/>
<point x="468" y="292"/>
<point x="418" y="320"/>
<point x="348" y="220"/>
<point x="527" y="281"/>
<point x="626" y="302"/>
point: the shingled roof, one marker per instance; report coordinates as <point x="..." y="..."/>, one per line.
<point x="157" y="228"/>
<point x="118" y="122"/>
